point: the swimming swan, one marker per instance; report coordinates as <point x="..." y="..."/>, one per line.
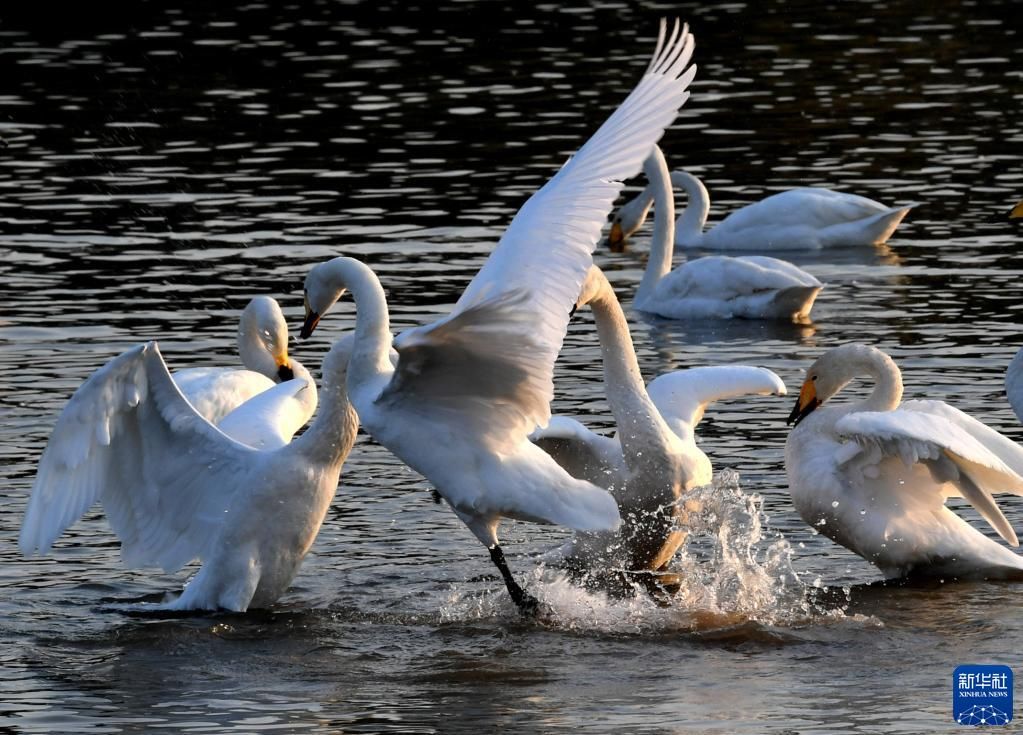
<point x="754" y="287"/>
<point x="653" y="459"/>
<point x="797" y="219"/>
<point x="873" y="476"/>
<point x="175" y="488"/>
<point x="467" y="390"/>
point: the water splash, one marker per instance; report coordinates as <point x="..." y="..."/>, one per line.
<point x="733" y="574"/>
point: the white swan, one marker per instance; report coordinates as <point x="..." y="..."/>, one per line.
<point x="873" y="475"/>
<point x="653" y="459"/>
<point x="796" y="219"/>
<point x="754" y="287"/>
<point x="175" y="488"/>
<point x="263" y="346"/>
<point x="1014" y="384"/>
<point x="468" y="389"/>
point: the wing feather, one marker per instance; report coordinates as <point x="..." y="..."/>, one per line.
<point x="952" y="454"/>
<point x="530" y="282"/>
<point x="129" y="439"/>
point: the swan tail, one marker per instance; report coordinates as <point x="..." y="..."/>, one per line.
<point x="794" y="302"/>
<point x="873" y="230"/>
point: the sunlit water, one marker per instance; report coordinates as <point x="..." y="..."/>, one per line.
<point x="158" y="170"/>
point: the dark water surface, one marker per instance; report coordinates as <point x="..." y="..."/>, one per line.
<point x="158" y="170"/>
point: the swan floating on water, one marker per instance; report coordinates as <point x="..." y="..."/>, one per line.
<point x="874" y="475"/>
<point x="754" y="287"/>
<point x="466" y="391"/>
<point x="175" y="488"/>
<point x="653" y="459"/>
<point x="797" y="219"/>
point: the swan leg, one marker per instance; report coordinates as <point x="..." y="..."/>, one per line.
<point x="527" y="604"/>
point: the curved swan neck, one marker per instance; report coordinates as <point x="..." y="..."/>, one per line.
<point x="640" y="426"/>
<point x="370" y="353"/>
<point x="332" y="433"/>
<point x="887" y="393"/>
<point x="662" y="243"/>
<point x="694" y="216"/>
<point x="850" y="361"/>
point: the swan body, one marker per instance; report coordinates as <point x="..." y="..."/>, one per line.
<point x="175" y="488"/>
<point x="753" y="287"/>
<point x="798" y="219"/>
<point x="263" y="346"/>
<point x="874" y="475"/>
<point x="653" y="460"/>
<point x="467" y="390"/>
<point x="1014" y="383"/>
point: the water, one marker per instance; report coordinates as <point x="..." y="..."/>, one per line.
<point x="160" y="169"/>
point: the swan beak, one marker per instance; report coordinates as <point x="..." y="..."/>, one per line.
<point x="311" y="320"/>
<point x="284" y="372"/>
<point x="805" y="404"/>
<point x="616" y="238"/>
<point x="1017" y="211"/>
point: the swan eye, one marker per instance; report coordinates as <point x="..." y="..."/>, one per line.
<point x="813" y="378"/>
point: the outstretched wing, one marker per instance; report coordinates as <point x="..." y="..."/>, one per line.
<point x="683" y="396"/>
<point x="951" y="453"/>
<point x="498" y="346"/>
<point x="130" y="439"/>
<point x="1014" y="384"/>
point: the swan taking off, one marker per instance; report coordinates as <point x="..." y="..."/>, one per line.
<point x="796" y="219"/>
<point x="467" y="390"/>
<point x="754" y="286"/>
<point x="175" y="488"/>
<point x="873" y="475"/>
<point x="653" y="459"/>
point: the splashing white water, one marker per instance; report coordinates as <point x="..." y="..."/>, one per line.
<point x="731" y="572"/>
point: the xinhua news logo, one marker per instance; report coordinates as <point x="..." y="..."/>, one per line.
<point x="982" y="695"/>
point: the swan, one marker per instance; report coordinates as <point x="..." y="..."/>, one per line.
<point x="653" y="460"/>
<point x="1017" y="211"/>
<point x="806" y="218"/>
<point x="263" y="346"/>
<point x="754" y="287"/>
<point x="873" y="476"/>
<point x="175" y="488"/>
<point x="466" y="391"/>
<point x="1014" y="384"/>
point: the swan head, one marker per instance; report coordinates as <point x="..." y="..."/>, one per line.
<point x="833" y="370"/>
<point x="629" y="218"/>
<point x="321" y="292"/>
<point x="595" y="284"/>
<point x="263" y="339"/>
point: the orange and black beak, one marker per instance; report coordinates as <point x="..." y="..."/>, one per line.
<point x="616" y="238"/>
<point x="284" y="372"/>
<point x="1017" y="211"/>
<point x="311" y="320"/>
<point x="805" y="404"/>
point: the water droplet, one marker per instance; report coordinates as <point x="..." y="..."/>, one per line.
<point x="834" y="503"/>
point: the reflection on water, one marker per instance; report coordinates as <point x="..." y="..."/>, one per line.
<point x="160" y="168"/>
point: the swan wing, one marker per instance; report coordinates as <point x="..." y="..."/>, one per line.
<point x="804" y="207"/>
<point x="683" y="396"/>
<point x="1000" y="445"/>
<point x="130" y="439"/>
<point x="951" y="453"/>
<point x="580" y="452"/>
<point x="216" y="392"/>
<point x="498" y="346"/>
<point x="270" y="419"/>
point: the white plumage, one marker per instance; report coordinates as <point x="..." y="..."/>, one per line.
<point x="175" y="488"/>
<point x="874" y="475"/>
<point x="653" y="458"/>
<point x="468" y="389"/>
<point x="797" y="219"/>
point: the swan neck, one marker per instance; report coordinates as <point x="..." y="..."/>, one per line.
<point x="694" y="216"/>
<point x="331" y="435"/>
<point x="662" y="243"/>
<point x="887" y="393"/>
<point x="370" y="353"/>
<point x="640" y="426"/>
